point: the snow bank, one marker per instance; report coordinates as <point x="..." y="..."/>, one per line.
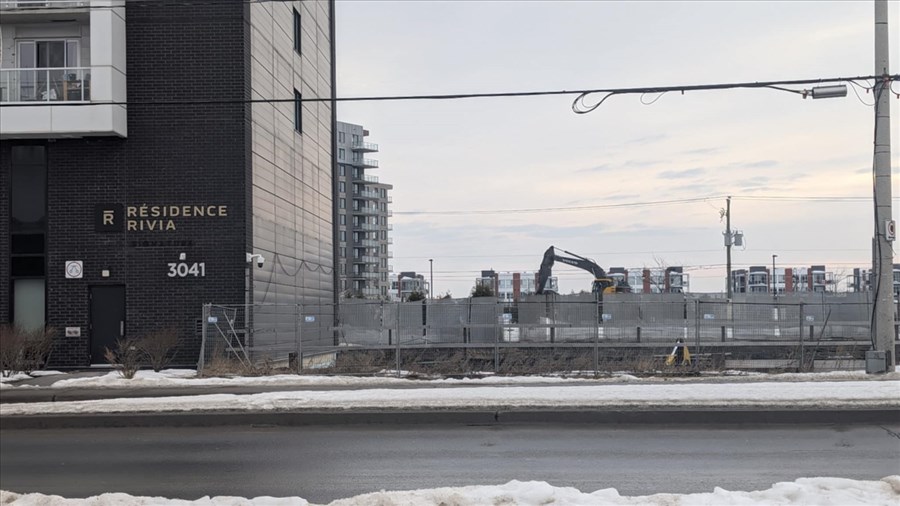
<point x="804" y="491"/>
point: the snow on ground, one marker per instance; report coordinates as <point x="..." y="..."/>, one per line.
<point x="22" y="376"/>
<point x="804" y="491"/>
<point x="771" y="395"/>
<point x="183" y="378"/>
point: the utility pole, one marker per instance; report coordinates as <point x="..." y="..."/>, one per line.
<point x="883" y="331"/>
<point x="729" y="240"/>
<point x="431" y="277"/>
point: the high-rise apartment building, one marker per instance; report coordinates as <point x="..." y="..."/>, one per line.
<point x="363" y="215"/>
<point x="138" y="181"/>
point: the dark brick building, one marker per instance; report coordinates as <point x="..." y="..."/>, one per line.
<point x="136" y="178"/>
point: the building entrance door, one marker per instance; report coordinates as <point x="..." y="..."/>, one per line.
<point x="107" y="320"/>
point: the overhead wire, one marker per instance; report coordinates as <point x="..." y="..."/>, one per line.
<point x="582" y="94"/>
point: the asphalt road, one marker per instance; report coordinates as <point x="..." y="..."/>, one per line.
<point x="326" y="463"/>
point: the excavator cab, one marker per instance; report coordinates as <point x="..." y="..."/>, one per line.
<point x="609" y="285"/>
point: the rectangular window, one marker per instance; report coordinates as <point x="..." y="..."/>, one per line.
<point x="29" y="303"/>
<point x="343" y="219"/>
<point x="343" y="236"/>
<point x="342" y="170"/>
<point x="340" y="153"/>
<point x="342" y="187"/>
<point x="343" y="252"/>
<point x="342" y="203"/>
<point x="297" y="20"/>
<point x="28" y="228"/>
<point x="340" y="136"/>
<point x="298" y="112"/>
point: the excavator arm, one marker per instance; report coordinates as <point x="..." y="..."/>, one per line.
<point x="601" y="284"/>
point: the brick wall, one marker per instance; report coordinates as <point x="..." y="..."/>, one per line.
<point x="182" y="155"/>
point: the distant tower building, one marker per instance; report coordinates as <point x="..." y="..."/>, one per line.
<point x="363" y="211"/>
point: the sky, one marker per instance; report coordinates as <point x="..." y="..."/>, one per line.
<point x="845" y="388"/>
<point x="505" y="154"/>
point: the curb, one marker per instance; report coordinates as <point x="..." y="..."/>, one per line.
<point x="476" y="417"/>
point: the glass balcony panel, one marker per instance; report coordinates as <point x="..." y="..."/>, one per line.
<point x="51" y="84"/>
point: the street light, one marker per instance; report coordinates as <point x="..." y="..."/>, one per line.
<point x="431" y="277"/>
<point x="835" y="91"/>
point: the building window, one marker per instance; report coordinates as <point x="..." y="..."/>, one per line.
<point x="343" y="236"/>
<point x="341" y="137"/>
<point x="342" y="187"/>
<point x="342" y="170"/>
<point x="28" y="228"/>
<point x="343" y="219"/>
<point x="297" y="31"/>
<point x="341" y="153"/>
<point x="342" y="203"/>
<point x="298" y="112"/>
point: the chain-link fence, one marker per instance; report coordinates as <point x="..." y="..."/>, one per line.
<point x="540" y="333"/>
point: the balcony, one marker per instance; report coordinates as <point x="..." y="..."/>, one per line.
<point x="364" y="147"/>
<point x="366" y="210"/>
<point x="364" y="162"/>
<point x="369" y="194"/>
<point x="66" y="84"/>
<point x="370" y="179"/>
<point x="38" y="11"/>
<point x="64" y="74"/>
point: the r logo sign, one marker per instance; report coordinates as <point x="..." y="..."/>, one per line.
<point x="109" y="218"/>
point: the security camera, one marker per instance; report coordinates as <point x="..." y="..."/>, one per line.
<point x="260" y="261"/>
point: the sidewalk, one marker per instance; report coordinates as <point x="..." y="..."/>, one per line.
<point x="175" y="397"/>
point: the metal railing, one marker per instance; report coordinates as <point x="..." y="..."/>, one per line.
<point x="37" y="4"/>
<point x="575" y="332"/>
<point x="364" y="146"/>
<point x="57" y="84"/>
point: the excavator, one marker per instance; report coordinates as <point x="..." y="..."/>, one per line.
<point x="602" y="283"/>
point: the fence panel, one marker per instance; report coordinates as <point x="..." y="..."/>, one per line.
<point x="551" y="329"/>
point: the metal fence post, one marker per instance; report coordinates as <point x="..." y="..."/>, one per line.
<point x="201" y="362"/>
<point x="500" y="330"/>
<point x="697" y="325"/>
<point x="298" y="337"/>
<point x="399" y="305"/>
<point x="800" y="328"/>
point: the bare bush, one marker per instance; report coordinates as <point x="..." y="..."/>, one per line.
<point x="126" y="357"/>
<point x="157" y="347"/>
<point x="24" y="350"/>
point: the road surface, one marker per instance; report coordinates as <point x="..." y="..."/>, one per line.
<point x="326" y="463"/>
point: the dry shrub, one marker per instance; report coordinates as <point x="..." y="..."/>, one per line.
<point x="361" y="362"/>
<point x="126" y="357"/>
<point x="157" y="347"/>
<point x="24" y="350"/>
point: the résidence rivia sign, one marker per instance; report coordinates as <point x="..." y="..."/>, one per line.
<point x="152" y="218"/>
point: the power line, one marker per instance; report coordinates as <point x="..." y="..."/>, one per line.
<point x="458" y="96"/>
<point x="652" y="203"/>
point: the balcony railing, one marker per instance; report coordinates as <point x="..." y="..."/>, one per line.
<point x="37" y="4"/>
<point x="365" y="162"/>
<point x="369" y="194"/>
<point x="56" y="84"/>
<point x="364" y="146"/>
<point x="370" y="179"/>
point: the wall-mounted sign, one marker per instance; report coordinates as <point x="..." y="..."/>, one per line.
<point x="73" y="331"/>
<point x="185" y="270"/>
<point x="707" y="316"/>
<point x="152" y="218"/>
<point x="309" y="319"/>
<point x="109" y="218"/>
<point x="74" y="269"/>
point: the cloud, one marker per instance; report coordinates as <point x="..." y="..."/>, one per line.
<point x="647" y="139"/>
<point x="599" y="168"/>
<point x="604" y="199"/>
<point x="642" y="163"/>
<point x="682" y="174"/>
<point x="702" y="151"/>
<point x="758" y="164"/>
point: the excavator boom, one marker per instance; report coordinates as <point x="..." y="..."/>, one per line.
<point x="601" y="282"/>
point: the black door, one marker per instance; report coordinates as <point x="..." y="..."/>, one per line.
<point x="107" y="320"/>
